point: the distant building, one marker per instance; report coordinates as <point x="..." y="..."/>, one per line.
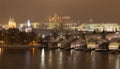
<point x="27" y="27"/>
<point x="54" y="21"/>
<point x="55" y="18"/>
<point x="110" y="27"/>
<point x="35" y="25"/>
<point x="57" y="22"/>
<point x="11" y="23"/>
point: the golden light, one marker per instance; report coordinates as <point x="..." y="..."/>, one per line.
<point x="12" y="23"/>
<point x="43" y="58"/>
<point x="0" y="51"/>
<point x="66" y="17"/>
<point x="33" y="51"/>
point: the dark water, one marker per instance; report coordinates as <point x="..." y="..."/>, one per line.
<point x="33" y="58"/>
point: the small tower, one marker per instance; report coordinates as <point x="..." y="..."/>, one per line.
<point x="28" y="28"/>
<point x="28" y="23"/>
<point x="11" y="23"/>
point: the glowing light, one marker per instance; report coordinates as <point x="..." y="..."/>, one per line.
<point x="61" y="56"/>
<point x="43" y="59"/>
<point x="50" y="57"/>
<point x="43" y="36"/>
<point x="117" y="62"/>
<point x="0" y="51"/>
<point x="93" y="56"/>
<point x="91" y="20"/>
<point x="33" y="51"/>
<point x="43" y="54"/>
<point x="28" y="23"/>
<point x="114" y="46"/>
<point x="66" y="17"/>
<point x="21" y="25"/>
<point x="55" y="18"/>
<point x="12" y="23"/>
<point x="72" y="52"/>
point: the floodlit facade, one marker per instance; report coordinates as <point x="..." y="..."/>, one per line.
<point x="11" y="23"/>
<point x="110" y="27"/>
<point x="99" y="27"/>
<point x="63" y="22"/>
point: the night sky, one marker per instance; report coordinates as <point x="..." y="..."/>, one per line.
<point x="39" y="10"/>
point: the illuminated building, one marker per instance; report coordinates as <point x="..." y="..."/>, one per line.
<point x="110" y="27"/>
<point x="11" y="23"/>
<point x="28" y="23"/>
<point x="55" y="18"/>
<point x="57" y="22"/>
<point x="54" y="21"/>
<point x="35" y="25"/>
<point x="28" y="28"/>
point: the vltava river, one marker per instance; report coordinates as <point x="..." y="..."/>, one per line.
<point x="34" y="58"/>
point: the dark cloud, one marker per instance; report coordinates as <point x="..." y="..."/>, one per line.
<point x="38" y="10"/>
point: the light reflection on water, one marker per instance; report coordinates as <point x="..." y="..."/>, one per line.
<point x="117" y="62"/>
<point x="43" y="59"/>
<point x="114" y="62"/>
<point x="60" y="57"/>
<point x="28" y="57"/>
<point x="35" y="58"/>
<point x="93" y="56"/>
<point x="33" y="51"/>
<point x="0" y="51"/>
<point x="50" y="57"/>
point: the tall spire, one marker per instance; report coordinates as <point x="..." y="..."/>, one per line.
<point x="28" y="23"/>
<point x="28" y="27"/>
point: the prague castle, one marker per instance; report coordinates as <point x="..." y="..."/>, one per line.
<point x="57" y="22"/>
